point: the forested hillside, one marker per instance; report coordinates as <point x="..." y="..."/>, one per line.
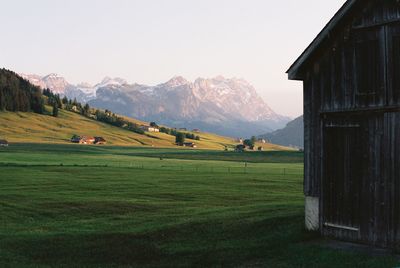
<point x="17" y="94"/>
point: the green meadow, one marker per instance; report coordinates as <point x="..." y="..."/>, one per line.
<point x="91" y="206"/>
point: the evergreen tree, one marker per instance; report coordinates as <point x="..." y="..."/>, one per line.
<point x="253" y="140"/>
<point x="55" y="109"/>
<point x="153" y="124"/>
<point x="248" y="142"/>
<point x="180" y="138"/>
<point x="58" y="101"/>
<point x="37" y="103"/>
<point x="2" y="102"/>
<point x="164" y="130"/>
<point x="86" y="110"/>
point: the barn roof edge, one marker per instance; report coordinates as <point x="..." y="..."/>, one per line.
<point x="293" y="72"/>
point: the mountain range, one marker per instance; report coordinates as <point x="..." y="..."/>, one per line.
<point x="292" y="135"/>
<point x="220" y="105"/>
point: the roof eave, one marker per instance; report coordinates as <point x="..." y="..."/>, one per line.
<point x="295" y="76"/>
<point x="295" y="69"/>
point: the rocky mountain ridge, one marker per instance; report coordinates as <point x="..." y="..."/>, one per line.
<point x="221" y="105"/>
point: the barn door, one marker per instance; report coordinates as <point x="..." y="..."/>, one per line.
<point x="359" y="177"/>
<point x="343" y="172"/>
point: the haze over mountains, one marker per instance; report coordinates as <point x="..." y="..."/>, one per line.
<point x="224" y="106"/>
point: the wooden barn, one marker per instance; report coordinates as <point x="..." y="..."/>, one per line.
<point x="351" y="78"/>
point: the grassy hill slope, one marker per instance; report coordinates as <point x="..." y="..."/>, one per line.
<point x="35" y="128"/>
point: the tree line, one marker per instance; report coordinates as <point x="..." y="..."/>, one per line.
<point x="174" y="132"/>
<point x="18" y="95"/>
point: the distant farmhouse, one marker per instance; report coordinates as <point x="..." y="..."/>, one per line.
<point x="240" y="140"/>
<point x="3" y="143"/>
<point x="189" y="144"/>
<point x="351" y="89"/>
<point x="88" y="140"/>
<point x="150" y="129"/>
<point x="99" y="140"/>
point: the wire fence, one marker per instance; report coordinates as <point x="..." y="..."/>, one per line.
<point x="245" y="169"/>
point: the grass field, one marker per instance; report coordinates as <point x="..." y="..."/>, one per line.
<point x="31" y="127"/>
<point x="88" y="206"/>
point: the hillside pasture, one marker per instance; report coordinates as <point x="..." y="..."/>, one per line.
<point x="36" y="128"/>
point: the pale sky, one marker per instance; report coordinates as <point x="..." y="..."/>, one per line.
<point x="150" y="41"/>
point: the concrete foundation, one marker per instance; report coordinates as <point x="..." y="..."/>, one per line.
<point x="312" y="213"/>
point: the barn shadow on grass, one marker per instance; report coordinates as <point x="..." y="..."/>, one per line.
<point x="278" y="242"/>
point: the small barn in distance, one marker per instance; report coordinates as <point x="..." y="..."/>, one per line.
<point x="99" y="141"/>
<point x="3" y="143"/>
<point x="351" y="77"/>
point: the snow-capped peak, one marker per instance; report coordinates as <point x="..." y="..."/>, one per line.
<point x="219" y="78"/>
<point x="52" y="75"/>
<point x="84" y="85"/>
<point x="177" y="81"/>
<point x="107" y="81"/>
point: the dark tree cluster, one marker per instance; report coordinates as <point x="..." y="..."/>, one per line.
<point x="180" y="138"/>
<point x="191" y="136"/>
<point x="174" y="132"/>
<point x="18" y="95"/>
<point x="250" y="142"/>
<point x="109" y="117"/>
<point x="52" y="99"/>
